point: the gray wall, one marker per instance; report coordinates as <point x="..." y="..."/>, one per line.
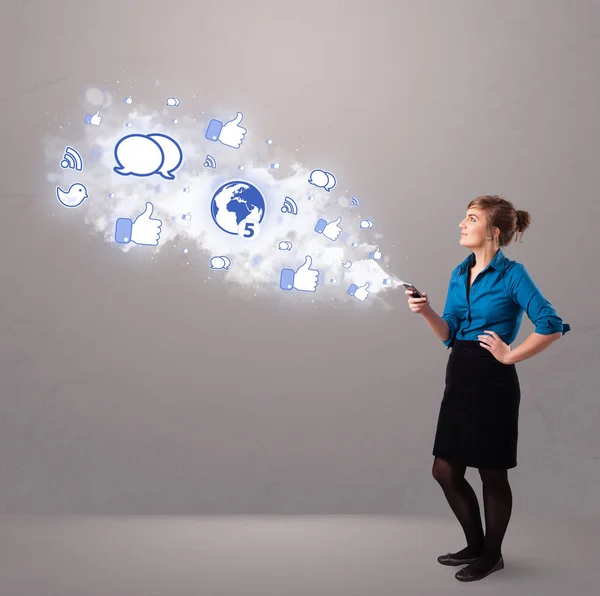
<point x="133" y="382"/>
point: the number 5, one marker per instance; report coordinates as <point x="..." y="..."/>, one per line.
<point x="249" y="227"/>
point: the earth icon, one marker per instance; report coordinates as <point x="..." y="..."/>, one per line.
<point x="235" y="202"/>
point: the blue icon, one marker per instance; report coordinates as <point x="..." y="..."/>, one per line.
<point x="303" y="279"/>
<point x="220" y="262"/>
<point x="275" y="165"/>
<point x="230" y="133"/>
<point x="144" y="155"/>
<point x="289" y="206"/>
<point x="387" y="281"/>
<point x="330" y="230"/>
<point x="354" y="202"/>
<point x="322" y="179"/>
<point x="236" y="204"/>
<point x="210" y="162"/>
<point x="285" y="245"/>
<point x="127" y="100"/>
<point x="366" y="224"/>
<point x="72" y="197"/>
<point x="360" y="293"/>
<point x="96" y="119"/>
<point x="173" y="101"/>
<point x="145" y="229"/>
<point x="72" y="160"/>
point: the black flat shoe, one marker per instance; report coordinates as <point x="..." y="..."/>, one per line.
<point x="452" y="559"/>
<point x="468" y="575"/>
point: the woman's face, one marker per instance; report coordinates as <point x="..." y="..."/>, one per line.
<point x="472" y="227"/>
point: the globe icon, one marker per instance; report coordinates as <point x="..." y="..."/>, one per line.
<point x="235" y="202"/>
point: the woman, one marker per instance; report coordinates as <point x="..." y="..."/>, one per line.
<point x="478" y="418"/>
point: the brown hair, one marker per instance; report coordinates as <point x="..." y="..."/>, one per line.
<point x="501" y="214"/>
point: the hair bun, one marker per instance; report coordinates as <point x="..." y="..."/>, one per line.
<point x="523" y="220"/>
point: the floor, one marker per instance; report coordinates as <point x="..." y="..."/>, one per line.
<point x="284" y="556"/>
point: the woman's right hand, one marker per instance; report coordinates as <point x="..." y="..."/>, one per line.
<point x="415" y="304"/>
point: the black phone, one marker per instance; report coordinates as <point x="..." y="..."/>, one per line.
<point x="416" y="293"/>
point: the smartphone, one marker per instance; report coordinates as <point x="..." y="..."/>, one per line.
<point x="416" y="293"/>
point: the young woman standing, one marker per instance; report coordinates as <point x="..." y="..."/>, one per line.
<point x="478" y="419"/>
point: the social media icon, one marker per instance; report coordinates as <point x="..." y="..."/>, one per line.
<point x="360" y="293"/>
<point x="289" y="206"/>
<point x="144" y="230"/>
<point x="144" y="155"/>
<point x="376" y="254"/>
<point x="210" y="162"/>
<point x="72" y="159"/>
<point x="249" y="227"/>
<point x="303" y="279"/>
<point x="322" y="179"/>
<point x="186" y="216"/>
<point x="366" y="224"/>
<point x="230" y="133"/>
<point x="96" y="119"/>
<point x="173" y="101"/>
<point x="354" y="202"/>
<point x="72" y="197"/>
<point x="330" y="230"/>
<point x="128" y="100"/>
<point x="220" y="263"/>
<point x="285" y="245"/>
<point x="347" y="264"/>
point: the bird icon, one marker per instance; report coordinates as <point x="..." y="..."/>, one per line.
<point x="72" y="197"/>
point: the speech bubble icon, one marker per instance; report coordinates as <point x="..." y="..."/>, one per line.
<point x="217" y="263"/>
<point x="331" y="181"/>
<point x="318" y="178"/>
<point x="172" y="153"/>
<point x="138" y="155"/>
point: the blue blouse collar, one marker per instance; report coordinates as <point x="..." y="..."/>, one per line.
<point x="499" y="262"/>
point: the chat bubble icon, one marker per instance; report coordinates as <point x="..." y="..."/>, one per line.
<point x="138" y="155"/>
<point x="220" y="262"/>
<point x="318" y="178"/>
<point x="173" y="155"/>
<point x="331" y="181"/>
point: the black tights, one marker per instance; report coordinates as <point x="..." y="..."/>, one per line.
<point x="497" y="501"/>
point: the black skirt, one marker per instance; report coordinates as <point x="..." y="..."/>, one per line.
<point x="479" y="414"/>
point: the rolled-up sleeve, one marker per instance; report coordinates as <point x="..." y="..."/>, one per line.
<point x="539" y="310"/>
<point x="450" y="314"/>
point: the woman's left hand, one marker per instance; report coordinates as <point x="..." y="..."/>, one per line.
<point x="495" y="345"/>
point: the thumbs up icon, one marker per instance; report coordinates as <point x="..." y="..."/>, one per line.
<point x="361" y="293"/>
<point x="230" y="133"/>
<point x="375" y="254"/>
<point x="144" y="230"/>
<point x="330" y="230"/>
<point x="304" y="279"/>
<point x="96" y="119"/>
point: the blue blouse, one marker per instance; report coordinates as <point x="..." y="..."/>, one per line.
<point x="499" y="295"/>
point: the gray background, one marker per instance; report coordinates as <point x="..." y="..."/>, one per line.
<point x="421" y="106"/>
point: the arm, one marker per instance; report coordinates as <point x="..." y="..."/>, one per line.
<point x="532" y="345"/>
<point x="548" y="325"/>
<point x="438" y="325"/>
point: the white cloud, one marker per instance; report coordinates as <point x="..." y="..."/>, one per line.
<point x="256" y="263"/>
